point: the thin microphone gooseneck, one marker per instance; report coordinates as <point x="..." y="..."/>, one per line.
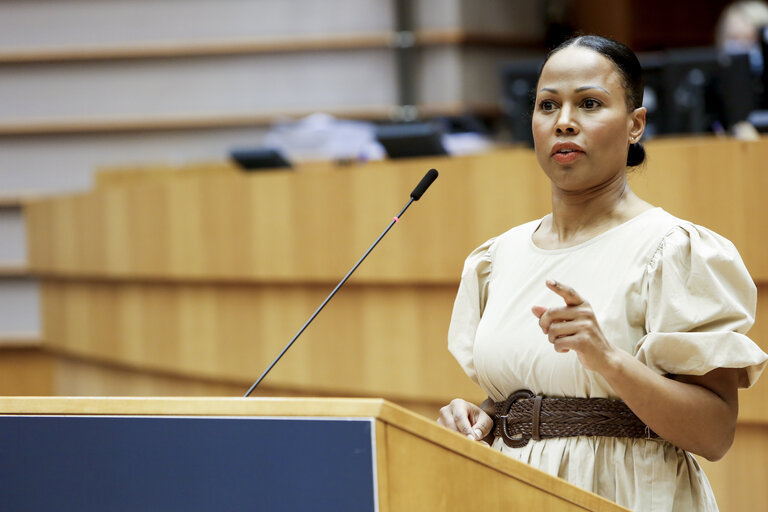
<point x="422" y="187"/>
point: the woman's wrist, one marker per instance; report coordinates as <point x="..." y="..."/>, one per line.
<point x="615" y="366"/>
<point x="489" y="408"/>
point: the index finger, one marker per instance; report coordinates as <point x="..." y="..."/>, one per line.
<point x="568" y="294"/>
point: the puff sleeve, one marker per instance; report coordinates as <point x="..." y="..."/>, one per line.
<point x="468" y="307"/>
<point x="700" y="303"/>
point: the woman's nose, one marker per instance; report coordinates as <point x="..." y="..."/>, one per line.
<point x="566" y="122"/>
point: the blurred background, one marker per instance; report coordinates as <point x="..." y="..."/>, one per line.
<point x="145" y="251"/>
<point x="89" y="83"/>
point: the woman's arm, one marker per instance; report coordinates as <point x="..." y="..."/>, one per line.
<point x="696" y="413"/>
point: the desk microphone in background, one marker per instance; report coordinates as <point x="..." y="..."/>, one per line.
<point x="422" y="187"/>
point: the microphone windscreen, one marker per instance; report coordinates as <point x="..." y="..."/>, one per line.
<point x="424" y="184"/>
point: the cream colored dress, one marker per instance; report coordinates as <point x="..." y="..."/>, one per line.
<point x="675" y="295"/>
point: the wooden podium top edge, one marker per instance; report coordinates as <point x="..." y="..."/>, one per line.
<point x="197" y="406"/>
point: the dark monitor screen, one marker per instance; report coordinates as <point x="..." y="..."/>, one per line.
<point x="250" y="159"/>
<point x="688" y="95"/>
<point x="409" y="140"/>
<point x="653" y="92"/>
<point x="706" y="90"/>
<point x="737" y="89"/>
<point x="763" y="70"/>
<point x="699" y="90"/>
<point x="518" y="94"/>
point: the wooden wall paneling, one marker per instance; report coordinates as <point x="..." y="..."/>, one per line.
<point x="372" y="340"/>
<point x="315" y="210"/>
<point x="64" y="233"/>
<point x="753" y="402"/>
<point x="642" y="27"/>
<point x="604" y="18"/>
<point x="738" y="479"/>
<point x="713" y="182"/>
<point x="676" y="27"/>
<point x="138" y="174"/>
<point x="72" y="375"/>
<point x="751" y="202"/>
<point x="316" y="218"/>
<point x="25" y="370"/>
<point x="40" y="240"/>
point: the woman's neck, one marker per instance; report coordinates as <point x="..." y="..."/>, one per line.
<point x="579" y="216"/>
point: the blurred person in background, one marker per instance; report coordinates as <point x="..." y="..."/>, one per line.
<point x="737" y="32"/>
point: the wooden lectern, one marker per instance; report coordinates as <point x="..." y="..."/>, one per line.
<point x="272" y="454"/>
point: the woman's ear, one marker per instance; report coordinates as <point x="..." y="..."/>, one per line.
<point x="637" y="123"/>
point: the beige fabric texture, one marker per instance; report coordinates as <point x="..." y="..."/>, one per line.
<point x="675" y="295"/>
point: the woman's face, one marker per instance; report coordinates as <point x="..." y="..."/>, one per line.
<point x="581" y="124"/>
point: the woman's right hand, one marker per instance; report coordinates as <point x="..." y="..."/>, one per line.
<point x="466" y="418"/>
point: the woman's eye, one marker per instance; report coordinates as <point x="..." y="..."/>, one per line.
<point x="590" y="104"/>
<point x="546" y="105"/>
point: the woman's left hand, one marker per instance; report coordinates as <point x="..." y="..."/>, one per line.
<point x="574" y="327"/>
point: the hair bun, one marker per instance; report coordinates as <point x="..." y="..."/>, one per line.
<point x="636" y="154"/>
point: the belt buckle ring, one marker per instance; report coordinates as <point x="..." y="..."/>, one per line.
<point x="509" y="439"/>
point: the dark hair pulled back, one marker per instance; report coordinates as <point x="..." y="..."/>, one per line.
<point x="628" y="67"/>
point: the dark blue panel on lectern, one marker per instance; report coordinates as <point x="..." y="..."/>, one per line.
<point x="171" y="463"/>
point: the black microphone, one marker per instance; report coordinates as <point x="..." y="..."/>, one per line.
<point x="422" y="187"/>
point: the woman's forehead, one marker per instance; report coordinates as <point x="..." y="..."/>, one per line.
<point x="577" y="66"/>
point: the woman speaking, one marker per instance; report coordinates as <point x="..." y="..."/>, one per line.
<point x="609" y="335"/>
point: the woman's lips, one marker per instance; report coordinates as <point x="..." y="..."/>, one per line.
<point x="567" y="157"/>
<point x="566" y="152"/>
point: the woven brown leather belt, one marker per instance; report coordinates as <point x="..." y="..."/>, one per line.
<point x="524" y="416"/>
